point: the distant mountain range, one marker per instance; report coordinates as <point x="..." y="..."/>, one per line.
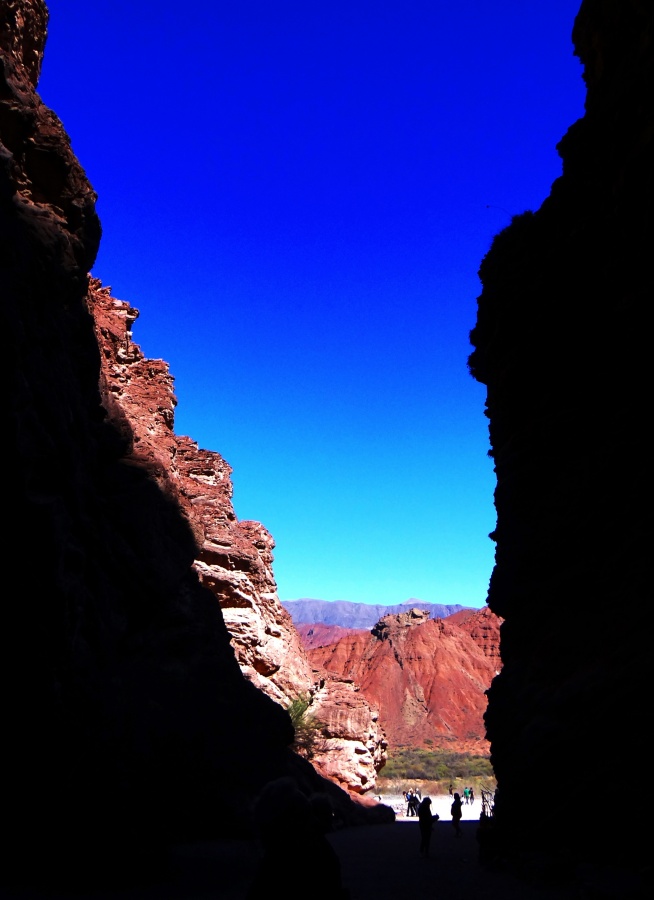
<point x="347" y="614"/>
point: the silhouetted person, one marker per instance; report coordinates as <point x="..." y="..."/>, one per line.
<point x="410" y="806"/>
<point x="426" y="824"/>
<point x="297" y="859"/>
<point x="456" y="811"/>
<point x="415" y="803"/>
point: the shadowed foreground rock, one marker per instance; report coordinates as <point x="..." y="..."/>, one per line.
<point x="127" y="722"/>
<point x="562" y="345"/>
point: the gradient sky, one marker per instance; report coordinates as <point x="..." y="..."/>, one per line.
<point x="297" y="197"/>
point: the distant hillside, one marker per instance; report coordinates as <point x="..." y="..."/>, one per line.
<point x="347" y="614"/>
<point x="427" y="679"/>
<point x="315" y="634"/>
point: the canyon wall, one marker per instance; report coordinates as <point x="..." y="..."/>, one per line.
<point x="127" y="720"/>
<point x="234" y="559"/>
<point x="562" y="345"/>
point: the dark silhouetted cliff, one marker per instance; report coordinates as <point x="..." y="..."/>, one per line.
<point x="562" y="344"/>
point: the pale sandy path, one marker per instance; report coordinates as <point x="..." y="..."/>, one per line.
<point x="440" y="804"/>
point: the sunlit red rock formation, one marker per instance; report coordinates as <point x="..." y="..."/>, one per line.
<point x="352" y="745"/>
<point x="483" y="626"/>
<point x="234" y="559"/>
<point x="427" y="677"/>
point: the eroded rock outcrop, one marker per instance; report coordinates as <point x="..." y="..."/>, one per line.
<point x="483" y="626"/>
<point x="234" y="559"/>
<point x="352" y="746"/>
<point x="427" y="677"/>
<point x="561" y="344"/>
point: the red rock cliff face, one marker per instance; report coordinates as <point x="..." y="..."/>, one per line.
<point x="483" y="626"/>
<point x="427" y="677"/>
<point x="234" y="559"/>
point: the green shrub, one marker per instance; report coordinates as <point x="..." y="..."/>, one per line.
<point x="417" y="764"/>
<point x="308" y="729"/>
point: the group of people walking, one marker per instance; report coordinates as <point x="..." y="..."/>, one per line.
<point x="413" y="798"/>
<point x="468" y="794"/>
<point x="421" y="808"/>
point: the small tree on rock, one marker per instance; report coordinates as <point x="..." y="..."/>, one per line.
<point x="308" y="729"/>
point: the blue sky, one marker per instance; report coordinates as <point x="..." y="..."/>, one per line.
<point x="297" y="197"/>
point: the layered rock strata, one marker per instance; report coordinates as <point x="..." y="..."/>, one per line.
<point x="427" y="677"/>
<point x="483" y="626"/>
<point x="562" y="346"/>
